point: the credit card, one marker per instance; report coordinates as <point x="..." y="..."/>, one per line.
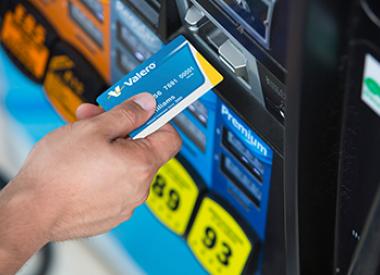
<point x="176" y="76"/>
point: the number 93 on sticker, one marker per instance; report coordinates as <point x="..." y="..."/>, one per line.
<point x="217" y="240"/>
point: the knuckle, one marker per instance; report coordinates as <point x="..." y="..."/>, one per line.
<point x="146" y="160"/>
<point x="125" y="216"/>
<point x="126" y="213"/>
<point x="146" y="174"/>
<point x="152" y="155"/>
<point x="145" y="144"/>
<point x="141" y="190"/>
<point x="127" y="114"/>
<point x="142" y="195"/>
<point x="89" y="126"/>
<point x="137" y="190"/>
<point x="148" y="166"/>
<point x="62" y="131"/>
<point x="137" y="195"/>
<point x="177" y="141"/>
<point x="68" y="128"/>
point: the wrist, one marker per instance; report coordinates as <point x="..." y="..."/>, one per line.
<point x="23" y="225"/>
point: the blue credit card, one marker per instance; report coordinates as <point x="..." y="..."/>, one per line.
<point x="176" y="76"/>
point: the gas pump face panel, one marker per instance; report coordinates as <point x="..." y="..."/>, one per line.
<point x="217" y="207"/>
<point x="360" y="180"/>
<point x="359" y="176"/>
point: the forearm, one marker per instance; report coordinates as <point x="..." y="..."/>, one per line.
<point x="21" y="228"/>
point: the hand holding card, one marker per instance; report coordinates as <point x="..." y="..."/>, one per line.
<point x="176" y="76"/>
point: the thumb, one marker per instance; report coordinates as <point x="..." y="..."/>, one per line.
<point x="126" y="117"/>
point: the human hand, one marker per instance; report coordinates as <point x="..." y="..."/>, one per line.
<point x="87" y="177"/>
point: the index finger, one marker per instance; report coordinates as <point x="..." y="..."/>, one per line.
<point x="165" y="143"/>
<point x="88" y="110"/>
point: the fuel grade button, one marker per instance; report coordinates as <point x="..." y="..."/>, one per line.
<point x="218" y="241"/>
<point x="173" y="196"/>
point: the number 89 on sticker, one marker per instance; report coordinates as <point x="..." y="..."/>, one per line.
<point x="218" y="241"/>
<point x="173" y="195"/>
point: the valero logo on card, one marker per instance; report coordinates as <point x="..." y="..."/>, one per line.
<point x="116" y="92"/>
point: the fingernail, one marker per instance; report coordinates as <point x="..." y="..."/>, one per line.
<point x="146" y="101"/>
<point x="78" y="111"/>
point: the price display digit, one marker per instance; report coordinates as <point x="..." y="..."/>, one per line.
<point x="173" y="196"/>
<point x="218" y="241"/>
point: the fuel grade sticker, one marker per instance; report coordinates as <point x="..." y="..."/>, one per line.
<point x="173" y="196"/>
<point x="218" y="241"/>
<point x="26" y="39"/>
<point x="64" y="97"/>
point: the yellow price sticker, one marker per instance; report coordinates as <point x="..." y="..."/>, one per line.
<point x="218" y="241"/>
<point x="173" y="196"/>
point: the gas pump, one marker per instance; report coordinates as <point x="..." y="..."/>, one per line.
<point x="253" y="189"/>
<point x="358" y="175"/>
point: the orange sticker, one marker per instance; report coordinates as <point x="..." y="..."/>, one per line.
<point x="63" y="88"/>
<point x="76" y="23"/>
<point x="24" y="37"/>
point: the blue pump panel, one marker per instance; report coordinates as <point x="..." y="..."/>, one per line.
<point x="228" y="160"/>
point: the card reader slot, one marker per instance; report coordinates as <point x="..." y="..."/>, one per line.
<point x="234" y="145"/>
<point x="230" y="55"/>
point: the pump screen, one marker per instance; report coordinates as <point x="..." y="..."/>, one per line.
<point x="252" y="14"/>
